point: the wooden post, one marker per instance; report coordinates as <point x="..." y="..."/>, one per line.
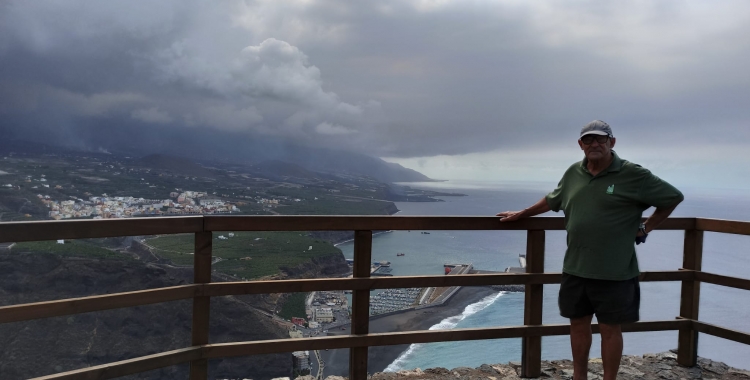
<point x="360" y="304"/>
<point x="687" y="345"/>
<point x="201" y="305"/>
<point x="531" y="349"/>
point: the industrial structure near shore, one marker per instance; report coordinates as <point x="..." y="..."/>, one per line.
<point x="322" y="306"/>
<point x="329" y="312"/>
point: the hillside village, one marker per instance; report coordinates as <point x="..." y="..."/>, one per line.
<point x="105" y="207"/>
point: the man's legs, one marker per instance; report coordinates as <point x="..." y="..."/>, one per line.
<point x="580" y="342"/>
<point x="611" y="349"/>
<point x="613" y="302"/>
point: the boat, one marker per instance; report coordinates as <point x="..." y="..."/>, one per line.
<point x="399" y="254"/>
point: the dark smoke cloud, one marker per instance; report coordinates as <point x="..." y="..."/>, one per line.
<point x="395" y="78"/>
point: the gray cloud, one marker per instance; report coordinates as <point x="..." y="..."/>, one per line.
<point x="151" y="115"/>
<point x="393" y="78"/>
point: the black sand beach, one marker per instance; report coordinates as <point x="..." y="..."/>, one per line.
<point x="337" y="361"/>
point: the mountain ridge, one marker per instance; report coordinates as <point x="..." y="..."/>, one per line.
<point x="248" y="152"/>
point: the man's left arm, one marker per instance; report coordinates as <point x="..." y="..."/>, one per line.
<point x="660" y="194"/>
<point x="658" y="217"/>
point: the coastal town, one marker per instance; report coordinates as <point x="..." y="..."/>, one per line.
<point x="105" y="207"/>
<point x="39" y="187"/>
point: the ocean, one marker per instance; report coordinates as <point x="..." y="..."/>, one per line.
<point x="425" y="254"/>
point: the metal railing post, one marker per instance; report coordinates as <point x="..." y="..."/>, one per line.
<point x="687" y="345"/>
<point x="531" y="346"/>
<point x="360" y="304"/>
<point x="202" y="304"/>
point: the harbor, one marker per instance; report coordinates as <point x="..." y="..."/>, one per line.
<point x="389" y="301"/>
<point x="381" y="268"/>
<point x="407" y="309"/>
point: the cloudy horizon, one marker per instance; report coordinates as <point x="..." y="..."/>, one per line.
<point x="453" y="89"/>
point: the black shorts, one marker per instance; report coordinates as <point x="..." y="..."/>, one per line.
<point x="613" y="302"/>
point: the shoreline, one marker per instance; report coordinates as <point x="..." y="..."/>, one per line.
<point x="373" y="235"/>
<point x="380" y="357"/>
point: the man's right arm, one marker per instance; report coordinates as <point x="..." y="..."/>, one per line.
<point x="538" y="208"/>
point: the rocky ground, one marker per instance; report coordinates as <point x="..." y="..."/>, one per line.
<point x="649" y="366"/>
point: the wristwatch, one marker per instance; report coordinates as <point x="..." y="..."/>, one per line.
<point x="641" y="239"/>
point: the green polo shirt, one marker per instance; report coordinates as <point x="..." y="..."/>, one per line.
<point x="602" y="215"/>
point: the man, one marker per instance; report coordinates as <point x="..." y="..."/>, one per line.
<point x="603" y="198"/>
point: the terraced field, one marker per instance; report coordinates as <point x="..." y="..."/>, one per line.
<point x="247" y="255"/>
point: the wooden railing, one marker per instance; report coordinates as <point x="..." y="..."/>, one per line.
<point x="202" y="290"/>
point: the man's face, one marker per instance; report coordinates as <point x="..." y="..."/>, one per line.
<point x="600" y="147"/>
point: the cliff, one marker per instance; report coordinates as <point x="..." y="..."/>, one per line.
<point x="39" y="347"/>
<point x="324" y="266"/>
<point x="335" y="237"/>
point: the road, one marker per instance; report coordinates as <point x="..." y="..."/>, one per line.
<point x="321" y="365"/>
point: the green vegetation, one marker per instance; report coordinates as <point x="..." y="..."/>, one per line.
<point x="294" y="306"/>
<point x="71" y="248"/>
<point x="176" y="248"/>
<point x="247" y="255"/>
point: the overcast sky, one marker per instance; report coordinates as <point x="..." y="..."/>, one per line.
<point x="493" y="90"/>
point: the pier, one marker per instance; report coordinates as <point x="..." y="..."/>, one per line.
<point x="509" y="287"/>
<point x="382" y="268"/>
<point x="392" y="300"/>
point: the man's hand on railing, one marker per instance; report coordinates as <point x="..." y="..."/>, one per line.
<point x="536" y="209"/>
<point x="510" y="216"/>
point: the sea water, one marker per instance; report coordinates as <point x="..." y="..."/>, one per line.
<point x="425" y="254"/>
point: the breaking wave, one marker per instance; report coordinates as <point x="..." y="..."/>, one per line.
<point x="445" y="324"/>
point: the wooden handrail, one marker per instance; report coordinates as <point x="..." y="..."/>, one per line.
<point x="723" y="226"/>
<point x="130" y="366"/>
<point x="722" y="332"/>
<point x="47" y="309"/>
<point x="202" y="226"/>
<point x="14" y="232"/>
<point x="234" y="349"/>
<point x="370" y="223"/>
<point x="717" y="279"/>
<point x="84" y="229"/>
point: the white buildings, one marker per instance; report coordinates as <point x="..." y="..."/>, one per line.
<point x="324" y="315"/>
<point x="125" y="207"/>
<point x="301" y="360"/>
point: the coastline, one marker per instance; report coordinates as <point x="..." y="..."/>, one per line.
<point x="373" y="235"/>
<point x="337" y="361"/>
<point x="346" y="240"/>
